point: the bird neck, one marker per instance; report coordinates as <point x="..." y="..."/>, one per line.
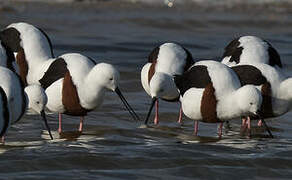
<point x="92" y="92"/>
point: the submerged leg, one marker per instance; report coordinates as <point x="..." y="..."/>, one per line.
<point x="180" y="115"/>
<point x="60" y="123"/>
<point x="156" y="120"/>
<point x="260" y="123"/>
<point x="81" y="123"/>
<point x="248" y="126"/>
<point x="196" y="128"/>
<point x="2" y="139"/>
<point x="243" y="125"/>
<point x="220" y="129"/>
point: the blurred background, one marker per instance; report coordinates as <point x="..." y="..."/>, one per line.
<point x="123" y="33"/>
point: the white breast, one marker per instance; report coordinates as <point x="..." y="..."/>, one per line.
<point x="191" y="103"/>
<point x="54" y="93"/>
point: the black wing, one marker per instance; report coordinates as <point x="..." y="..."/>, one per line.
<point x="233" y="50"/>
<point x="56" y="71"/>
<point x="197" y="77"/>
<point x="248" y="74"/>
<point x="189" y="60"/>
<point x="10" y="38"/>
<point x="274" y="57"/>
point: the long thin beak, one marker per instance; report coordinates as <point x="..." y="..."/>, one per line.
<point x="259" y="114"/>
<point x="43" y="114"/>
<point x="150" y="110"/>
<point x="127" y="105"/>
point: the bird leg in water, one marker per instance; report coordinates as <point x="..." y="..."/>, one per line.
<point x="243" y="125"/>
<point x="156" y="120"/>
<point x="220" y="129"/>
<point x="248" y="126"/>
<point x="2" y="140"/>
<point x="60" y="123"/>
<point x="260" y="123"/>
<point x="180" y="115"/>
<point x="81" y="123"/>
<point x="196" y="128"/>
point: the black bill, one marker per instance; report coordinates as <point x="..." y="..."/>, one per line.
<point x="150" y="110"/>
<point x="43" y="114"/>
<point x="127" y="105"/>
<point x="259" y="114"/>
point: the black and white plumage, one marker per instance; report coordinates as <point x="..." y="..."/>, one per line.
<point x="74" y="84"/>
<point x="211" y="92"/>
<point x="164" y="61"/>
<point x="16" y="99"/>
<point x="250" y="49"/>
<point x="275" y="86"/>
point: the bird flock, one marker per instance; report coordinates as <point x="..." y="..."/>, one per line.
<point x="248" y="84"/>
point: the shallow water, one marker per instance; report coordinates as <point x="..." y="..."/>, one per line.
<point x="112" y="145"/>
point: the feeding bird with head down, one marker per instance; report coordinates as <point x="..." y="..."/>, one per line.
<point x="15" y="100"/>
<point x="164" y="61"/>
<point x="274" y="85"/>
<point x="74" y="83"/>
<point x="211" y="92"/>
<point x="249" y="50"/>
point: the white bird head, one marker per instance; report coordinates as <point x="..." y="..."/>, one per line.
<point x="163" y="86"/>
<point x="37" y="101"/>
<point x="106" y="76"/>
<point x="249" y="100"/>
<point x="37" y="98"/>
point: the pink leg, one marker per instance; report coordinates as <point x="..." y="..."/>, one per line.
<point x="243" y="122"/>
<point x="81" y="123"/>
<point x="248" y="125"/>
<point x="180" y="116"/>
<point x="156" y="120"/>
<point x="196" y="128"/>
<point x="220" y="130"/>
<point x="243" y="125"/>
<point x="60" y="123"/>
<point x="260" y="123"/>
<point x="2" y="139"/>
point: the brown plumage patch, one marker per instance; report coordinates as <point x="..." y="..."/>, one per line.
<point x="151" y="71"/>
<point x="70" y="98"/>
<point x="23" y="66"/>
<point x="208" y="105"/>
<point x="152" y="58"/>
<point x="267" y="108"/>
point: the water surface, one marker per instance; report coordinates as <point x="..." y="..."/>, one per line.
<point x="112" y="145"/>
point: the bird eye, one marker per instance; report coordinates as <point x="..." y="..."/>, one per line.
<point x="37" y="102"/>
<point x="111" y="79"/>
<point x="251" y="103"/>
